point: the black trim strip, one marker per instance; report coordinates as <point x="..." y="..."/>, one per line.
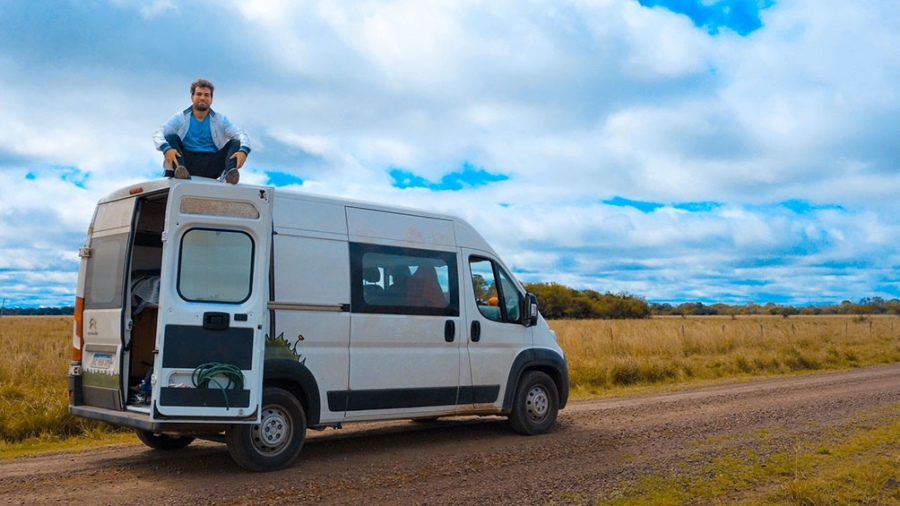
<point x="188" y="346"/>
<point x="204" y="397"/>
<point x="479" y="394"/>
<point x="399" y="398"/>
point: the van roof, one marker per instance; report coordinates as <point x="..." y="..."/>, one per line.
<point x="466" y="235"/>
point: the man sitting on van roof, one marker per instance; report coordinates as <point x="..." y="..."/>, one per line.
<point x="203" y="140"/>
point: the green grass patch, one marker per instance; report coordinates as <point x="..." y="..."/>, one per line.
<point x="89" y="439"/>
<point x="857" y="463"/>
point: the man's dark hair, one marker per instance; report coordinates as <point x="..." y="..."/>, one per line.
<point x="202" y="83"/>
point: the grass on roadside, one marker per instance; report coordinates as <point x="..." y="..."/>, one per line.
<point x="857" y="463"/>
<point x="610" y="354"/>
<point x="604" y="356"/>
<point x="34" y="387"/>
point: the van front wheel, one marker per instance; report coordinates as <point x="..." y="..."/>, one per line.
<point x="535" y="405"/>
<point x="276" y="441"/>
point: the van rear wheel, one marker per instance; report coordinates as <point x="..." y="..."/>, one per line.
<point x="163" y="441"/>
<point x="535" y="405"/>
<point x="276" y="441"/>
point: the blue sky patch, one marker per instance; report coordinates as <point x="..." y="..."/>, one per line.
<point x="75" y="176"/>
<point x="697" y="207"/>
<point x="469" y="177"/>
<point x="644" y="207"/>
<point x="805" y="207"/>
<point x="741" y="16"/>
<point x="279" y="179"/>
<point x="797" y="206"/>
<point x="72" y="175"/>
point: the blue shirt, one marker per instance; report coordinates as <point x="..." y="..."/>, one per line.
<point x="199" y="138"/>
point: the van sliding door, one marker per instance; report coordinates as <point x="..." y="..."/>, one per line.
<point x="213" y="302"/>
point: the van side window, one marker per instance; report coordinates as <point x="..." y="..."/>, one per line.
<point x="215" y="266"/>
<point x="393" y="280"/>
<point x="105" y="270"/>
<point x="496" y="295"/>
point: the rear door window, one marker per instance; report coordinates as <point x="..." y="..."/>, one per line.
<point x="105" y="271"/>
<point x="215" y="266"/>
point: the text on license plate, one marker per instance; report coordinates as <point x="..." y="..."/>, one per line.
<point x="102" y="361"/>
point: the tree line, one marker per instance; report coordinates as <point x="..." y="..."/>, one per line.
<point x="561" y="302"/>
<point x="37" y="311"/>
<point x="865" y="306"/>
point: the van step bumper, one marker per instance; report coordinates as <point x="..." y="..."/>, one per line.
<point x="142" y="421"/>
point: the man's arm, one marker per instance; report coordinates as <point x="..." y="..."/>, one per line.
<point x="170" y="127"/>
<point x="232" y="132"/>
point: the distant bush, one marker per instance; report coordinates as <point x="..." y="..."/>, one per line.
<point x="560" y="302"/>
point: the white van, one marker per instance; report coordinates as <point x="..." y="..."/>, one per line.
<point x="247" y="314"/>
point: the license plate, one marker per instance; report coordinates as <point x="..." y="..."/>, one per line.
<point x="102" y="361"/>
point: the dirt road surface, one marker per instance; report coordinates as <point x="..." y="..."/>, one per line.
<point x="597" y="446"/>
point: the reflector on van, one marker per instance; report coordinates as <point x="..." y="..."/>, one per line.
<point x="217" y="207"/>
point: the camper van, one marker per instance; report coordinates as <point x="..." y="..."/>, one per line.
<point x="248" y="314"/>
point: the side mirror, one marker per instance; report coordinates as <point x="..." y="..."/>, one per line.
<point x="530" y="311"/>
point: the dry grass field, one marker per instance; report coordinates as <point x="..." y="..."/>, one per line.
<point x="603" y="355"/>
<point x="34" y="358"/>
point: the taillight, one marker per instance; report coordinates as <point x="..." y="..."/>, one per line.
<point x="78" y="331"/>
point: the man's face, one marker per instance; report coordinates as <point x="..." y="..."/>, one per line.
<point x="202" y="98"/>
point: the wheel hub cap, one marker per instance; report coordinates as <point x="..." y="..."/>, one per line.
<point x="538" y="403"/>
<point x="274" y="430"/>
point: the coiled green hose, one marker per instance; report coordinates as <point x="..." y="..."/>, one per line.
<point x="206" y="373"/>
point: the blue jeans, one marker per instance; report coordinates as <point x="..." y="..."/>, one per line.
<point x="211" y="165"/>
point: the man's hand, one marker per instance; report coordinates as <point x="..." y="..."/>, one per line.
<point x="241" y="157"/>
<point x="171" y="155"/>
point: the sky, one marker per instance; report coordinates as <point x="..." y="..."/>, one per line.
<point x="681" y="151"/>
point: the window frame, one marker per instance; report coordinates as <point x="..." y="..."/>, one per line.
<point x="496" y="271"/>
<point x="106" y="273"/>
<point x="181" y="266"/>
<point x="358" y="303"/>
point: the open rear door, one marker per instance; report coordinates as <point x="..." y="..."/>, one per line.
<point x="212" y="302"/>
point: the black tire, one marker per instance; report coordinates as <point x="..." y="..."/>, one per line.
<point x="162" y="441"/>
<point x="535" y="405"/>
<point x="276" y="441"/>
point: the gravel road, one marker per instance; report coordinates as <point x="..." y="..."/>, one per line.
<point x="597" y="447"/>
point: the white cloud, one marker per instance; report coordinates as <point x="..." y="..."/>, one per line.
<point x="575" y="103"/>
